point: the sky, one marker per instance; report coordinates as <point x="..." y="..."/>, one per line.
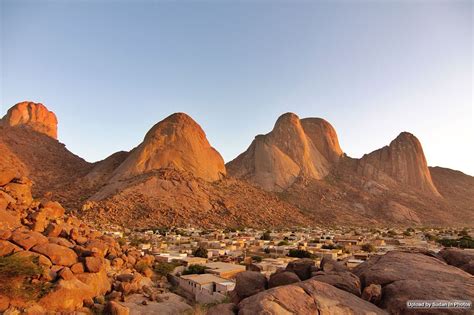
<point x="110" y="70"/>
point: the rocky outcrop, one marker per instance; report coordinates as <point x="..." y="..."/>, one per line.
<point x="176" y="142"/>
<point x="282" y="278"/>
<point x="249" y="283"/>
<point x="303" y="268"/>
<point x="64" y="266"/>
<point x="402" y="162"/>
<point x="294" y="148"/>
<point x="32" y="115"/>
<point x="414" y="276"/>
<point x="461" y="258"/>
<point x="307" y="297"/>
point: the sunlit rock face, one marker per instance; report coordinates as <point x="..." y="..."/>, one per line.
<point x="176" y="142"/>
<point x="33" y="115"/>
<point x="402" y="161"/>
<point x="295" y="147"/>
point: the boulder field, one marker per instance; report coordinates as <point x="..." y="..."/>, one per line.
<point x="53" y="262"/>
<point x="381" y="285"/>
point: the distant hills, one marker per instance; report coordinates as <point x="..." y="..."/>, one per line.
<point x="296" y="175"/>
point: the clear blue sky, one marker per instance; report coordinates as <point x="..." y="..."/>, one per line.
<point x="112" y="69"/>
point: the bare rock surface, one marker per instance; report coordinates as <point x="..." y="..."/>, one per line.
<point x="307" y="297"/>
<point x="293" y="148"/>
<point x="32" y="115"/>
<point x="176" y="142"/>
<point x="411" y="276"/>
<point x="402" y="161"/>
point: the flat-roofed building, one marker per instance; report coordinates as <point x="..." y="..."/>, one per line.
<point x="206" y="288"/>
<point x="224" y="270"/>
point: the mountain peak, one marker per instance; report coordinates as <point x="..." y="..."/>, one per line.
<point x="402" y="161"/>
<point x="295" y="147"/>
<point x="33" y="115"/>
<point x="176" y="142"/>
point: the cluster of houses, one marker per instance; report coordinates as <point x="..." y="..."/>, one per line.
<point x="230" y="252"/>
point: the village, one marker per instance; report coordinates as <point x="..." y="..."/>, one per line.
<point x="202" y="264"/>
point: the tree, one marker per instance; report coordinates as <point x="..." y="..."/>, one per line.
<point x="368" y="248"/>
<point x="299" y="253"/>
<point x="200" y="252"/>
<point x="283" y="243"/>
<point x="257" y="258"/>
<point x="195" y="270"/>
<point x="266" y="236"/>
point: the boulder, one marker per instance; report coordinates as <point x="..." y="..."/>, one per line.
<point x="9" y="220"/>
<point x="115" y="308"/>
<point x="223" y="309"/>
<point x="94" y="264"/>
<point x="282" y="278"/>
<point x="414" y="276"/>
<point x="302" y="267"/>
<point x="307" y="297"/>
<point x="249" y="283"/>
<point x="5" y="234"/>
<point x="60" y="241"/>
<point x="77" y="268"/>
<point x="329" y="264"/>
<point x="7" y="248"/>
<point x="20" y="192"/>
<point x="68" y="295"/>
<point x="66" y="274"/>
<point x="397" y="265"/>
<point x="98" y="282"/>
<point x="343" y="280"/>
<point x="372" y="293"/>
<point x="59" y="255"/>
<point x="6" y="176"/>
<point x="28" y="239"/>
<point x="461" y="258"/>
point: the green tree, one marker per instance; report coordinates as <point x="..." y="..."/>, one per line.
<point x="266" y="236"/>
<point x="257" y="258"/>
<point x="195" y="270"/>
<point x="299" y="253"/>
<point x="200" y="252"/>
<point x="368" y="248"/>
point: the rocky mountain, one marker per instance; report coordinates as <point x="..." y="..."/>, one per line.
<point x="295" y="175"/>
<point x="32" y="115"/>
<point x="176" y="142"/>
<point x="402" y="161"/>
<point x="29" y="147"/>
<point x="294" y="148"/>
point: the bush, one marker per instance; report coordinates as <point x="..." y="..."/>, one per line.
<point x="266" y="236"/>
<point x="283" y="243"/>
<point x="16" y="273"/>
<point x="368" y="248"/>
<point x="463" y="242"/>
<point x="299" y="253"/>
<point x="141" y="266"/>
<point x="200" y="252"/>
<point x="257" y="258"/>
<point x="195" y="270"/>
<point x="164" y="268"/>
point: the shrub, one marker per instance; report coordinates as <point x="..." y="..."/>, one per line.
<point x="164" y="268"/>
<point x="299" y="253"/>
<point x="266" y="236"/>
<point x="283" y="243"/>
<point x="16" y="273"/>
<point x="195" y="270"/>
<point x="463" y="242"/>
<point x="368" y="248"/>
<point x="331" y="246"/>
<point x="200" y="252"/>
<point x="257" y="258"/>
